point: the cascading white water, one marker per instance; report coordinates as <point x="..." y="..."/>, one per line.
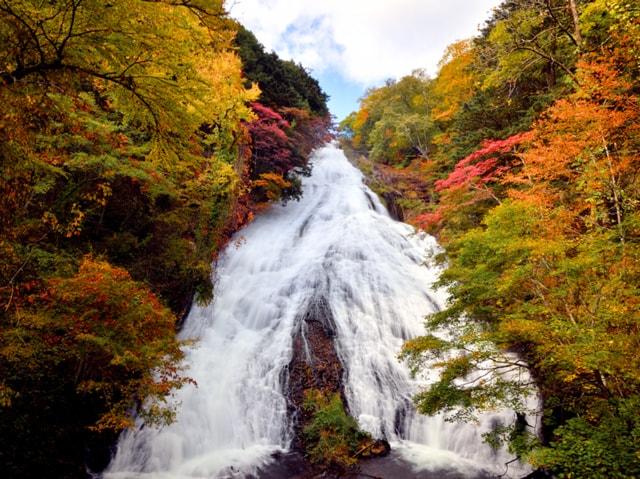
<point x="340" y="244"/>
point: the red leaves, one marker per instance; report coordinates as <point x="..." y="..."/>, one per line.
<point x="99" y="333"/>
<point x="108" y="295"/>
<point x="483" y="171"/>
<point x="266" y="114"/>
<point x="428" y="221"/>
<point x="468" y="190"/>
<point x="280" y="144"/>
<point x="272" y="150"/>
<point x="307" y="131"/>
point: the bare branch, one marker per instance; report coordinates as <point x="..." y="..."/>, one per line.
<point x="559" y="23"/>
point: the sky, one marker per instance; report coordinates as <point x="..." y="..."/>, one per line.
<point x="352" y="45"/>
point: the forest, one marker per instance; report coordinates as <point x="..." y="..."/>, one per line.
<point x="138" y="136"/>
<point x="135" y="138"/>
<point x="522" y="156"/>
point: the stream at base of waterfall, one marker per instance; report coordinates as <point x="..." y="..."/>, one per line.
<point x="339" y="247"/>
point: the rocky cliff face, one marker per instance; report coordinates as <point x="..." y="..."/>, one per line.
<point x="404" y="191"/>
<point x="315" y="366"/>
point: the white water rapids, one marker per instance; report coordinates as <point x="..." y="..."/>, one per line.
<point x="339" y="243"/>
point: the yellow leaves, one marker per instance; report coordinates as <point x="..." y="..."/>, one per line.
<point x="455" y="83"/>
<point x="113" y="421"/>
<point x="226" y="178"/>
<point x="99" y="197"/>
<point x="358" y="124"/>
<point x="523" y="328"/>
<point x="167" y="67"/>
<point x="6" y="395"/>
<point x="222" y="74"/>
<point x="273" y="184"/>
<point x="272" y="178"/>
<point x="74" y="226"/>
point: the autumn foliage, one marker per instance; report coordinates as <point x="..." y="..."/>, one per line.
<point x="280" y="149"/>
<point x="107" y="332"/>
<point x="474" y="184"/>
<point x="534" y="172"/>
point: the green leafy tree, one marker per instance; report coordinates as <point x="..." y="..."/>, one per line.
<point x="394" y="121"/>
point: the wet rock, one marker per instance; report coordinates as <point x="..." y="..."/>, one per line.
<point x="291" y="465"/>
<point x="538" y="474"/>
<point x="391" y="201"/>
<point x="314" y="364"/>
<point x="375" y="448"/>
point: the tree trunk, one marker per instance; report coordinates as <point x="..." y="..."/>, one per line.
<point x="576" y="21"/>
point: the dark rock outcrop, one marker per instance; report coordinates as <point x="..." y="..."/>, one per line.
<point x="314" y="364"/>
<point x="391" y="202"/>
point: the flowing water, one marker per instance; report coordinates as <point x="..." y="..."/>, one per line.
<point x="339" y="245"/>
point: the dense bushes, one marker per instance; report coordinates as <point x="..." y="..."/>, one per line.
<point x="332" y="437"/>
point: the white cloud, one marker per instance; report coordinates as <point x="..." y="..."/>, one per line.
<point x="366" y="41"/>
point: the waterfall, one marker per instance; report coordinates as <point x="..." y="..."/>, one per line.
<point x="337" y="243"/>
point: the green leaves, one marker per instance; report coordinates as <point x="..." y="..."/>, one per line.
<point x="332" y="436"/>
<point x="602" y="449"/>
<point x="395" y="122"/>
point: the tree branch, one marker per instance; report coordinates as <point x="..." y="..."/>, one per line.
<point x="551" y="59"/>
<point x="560" y="25"/>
